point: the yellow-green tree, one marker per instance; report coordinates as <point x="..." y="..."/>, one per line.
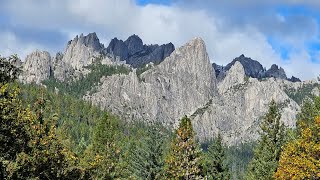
<point x="300" y="158"/>
<point x="104" y="158"/>
<point x="184" y="158"/>
<point x="30" y="147"/>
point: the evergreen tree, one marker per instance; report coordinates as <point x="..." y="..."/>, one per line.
<point x="300" y="158"/>
<point x="215" y="166"/>
<point x="309" y="110"/>
<point x="105" y="156"/>
<point x="267" y="152"/>
<point x="146" y="157"/>
<point x="31" y="148"/>
<point x="184" y="158"/>
<point x="14" y="131"/>
<point x="8" y="72"/>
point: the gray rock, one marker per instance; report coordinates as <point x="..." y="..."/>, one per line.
<point x="37" y="67"/>
<point x="136" y="54"/>
<point x="251" y="67"/>
<point x="82" y="50"/>
<point x="294" y="79"/>
<point x="276" y="72"/>
<point x="237" y="111"/>
<point x="179" y="85"/>
<point x="62" y="71"/>
<point x="235" y="76"/>
<point x="185" y="84"/>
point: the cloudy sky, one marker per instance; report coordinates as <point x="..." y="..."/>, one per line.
<point x="284" y="32"/>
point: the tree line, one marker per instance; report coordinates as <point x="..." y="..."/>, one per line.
<point x="50" y="135"/>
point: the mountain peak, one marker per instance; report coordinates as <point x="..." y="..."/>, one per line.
<point x="134" y="44"/>
<point x="251" y="67"/>
<point x="135" y="53"/>
<point x="276" y="72"/>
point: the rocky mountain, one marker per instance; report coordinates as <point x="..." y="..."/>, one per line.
<point x="184" y="82"/>
<point x="135" y="53"/>
<point x="36" y="67"/>
<point x="253" y="69"/>
<point x="179" y="85"/>
<point x="84" y="50"/>
<point x="276" y="72"/>
<point x="236" y="113"/>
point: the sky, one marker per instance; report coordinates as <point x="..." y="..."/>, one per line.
<point x="283" y="32"/>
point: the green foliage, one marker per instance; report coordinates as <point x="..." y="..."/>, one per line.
<point x="184" y="158"/>
<point x="35" y="151"/>
<point x="267" y="152"/>
<point x="238" y="158"/>
<point x="146" y="155"/>
<point x="300" y="94"/>
<point x="246" y="79"/>
<point x="106" y="156"/>
<point x="309" y="110"/>
<point x="75" y="118"/>
<point x="85" y="84"/>
<point x="8" y="72"/>
<point x="214" y="164"/>
<point x="300" y="158"/>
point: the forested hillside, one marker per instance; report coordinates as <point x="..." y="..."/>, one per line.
<point x="49" y="134"/>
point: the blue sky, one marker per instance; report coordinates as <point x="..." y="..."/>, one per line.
<point x="284" y="32"/>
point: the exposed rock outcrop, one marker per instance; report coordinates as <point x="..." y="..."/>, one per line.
<point x="251" y="67"/>
<point x="81" y="51"/>
<point x="184" y="83"/>
<point x="135" y="53"/>
<point x="37" y="67"/>
<point x="294" y="79"/>
<point x="235" y="76"/>
<point x="276" y="72"/>
<point x="179" y="85"/>
<point x="237" y="112"/>
<point x="61" y="69"/>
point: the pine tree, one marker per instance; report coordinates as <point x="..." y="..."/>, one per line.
<point x="8" y="72"/>
<point x="309" y="110"/>
<point x="146" y="157"/>
<point x="215" y="166"/>
<point x="104" y="159"/>
<point x="267" y="152"/>
<point x="184" y="158"/>
<point x="300" y="158"/>
<point x="30" y="147"/>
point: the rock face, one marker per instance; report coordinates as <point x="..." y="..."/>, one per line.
<point x="184" y="83"/>
<point x="136" y="54"/>
<point x="276" y="72"/>
<point x="179" y="85"/>
<point x="294" y="79"/>
<point x="235" y="75"/>
<point x="237" y="112"/>
<point x="84" y="50"/>
<point x="61" y="69"/>
<point x="37" y="67"/>
<point x="81" y="50"/>
<point x="251" y="67"/>
<point x="219" y="71"/>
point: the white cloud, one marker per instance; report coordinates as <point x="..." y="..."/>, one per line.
<point x="226" y="38"/>
<point x="300" y="65"/>
<point x="12" y="45"/>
